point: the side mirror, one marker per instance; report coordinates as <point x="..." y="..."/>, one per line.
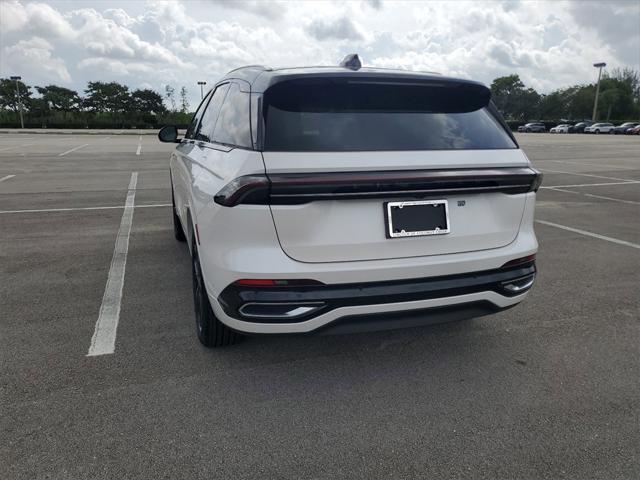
<point x="168" y="134"/>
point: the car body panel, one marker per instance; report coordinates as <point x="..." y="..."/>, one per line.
<point x="343" y="230"/>
<point x="341" y="241"/>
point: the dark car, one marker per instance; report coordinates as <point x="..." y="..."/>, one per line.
<point x="532" y="127"/>
<point x="621" y="129"/>
<point x="580" y="126"/>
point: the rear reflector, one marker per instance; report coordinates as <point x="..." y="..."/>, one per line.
<point x="520" y="261"/>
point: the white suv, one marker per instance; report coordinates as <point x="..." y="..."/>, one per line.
<point x="339" y="199"/>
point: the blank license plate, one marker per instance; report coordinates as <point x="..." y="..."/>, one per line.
<point x="413" y="219"/>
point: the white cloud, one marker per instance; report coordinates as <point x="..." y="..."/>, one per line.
<point x="34" y="55"/>
<point x="13" y="16"/>
<point x="341" y="28"/>
<point x="550" y="45"/>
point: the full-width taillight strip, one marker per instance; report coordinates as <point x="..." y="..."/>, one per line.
<point x="296" y="188"/>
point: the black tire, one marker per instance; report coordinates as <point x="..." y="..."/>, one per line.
<point x="211" y="331"/>
<point x="597" y="132"/>
<point x="528" y="130"/>
<point x="178" y="232"/>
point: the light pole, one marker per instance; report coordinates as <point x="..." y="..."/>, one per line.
<point x="202" y="84"/>
<point x="19" y="101"/>
<point x="600" y="66"/>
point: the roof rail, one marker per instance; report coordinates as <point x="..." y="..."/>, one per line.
<point x="250" y="66"/>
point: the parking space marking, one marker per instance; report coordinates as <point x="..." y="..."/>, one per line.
<point x="620" y="200"/>
<point x="73" y="149"/>
<point x="139" y="145"/>
<point x="628" y="182"/>
<point x="584" y="175"/>
<point x="590" y="234"/>
<point x="73" y="209"/>
<point x="5" y="149"/>
<point x="6" y="178"/>
<point x="103" y="341"/>
<point x="611" y="167"/>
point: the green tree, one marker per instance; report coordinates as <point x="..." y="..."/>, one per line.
<point x="107" y="97"/>
<point x="513" y="99"/>
<point x="579" y="101"/>
<point x="618" y="91"/>
<point x="60" y="98"/>
<point x="9" y="97"/>
<point x="147" y="101"/>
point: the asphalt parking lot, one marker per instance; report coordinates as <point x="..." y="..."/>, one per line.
<point x="548" y="390"/>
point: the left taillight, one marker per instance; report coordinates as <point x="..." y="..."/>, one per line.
<point x="249" y="189"/>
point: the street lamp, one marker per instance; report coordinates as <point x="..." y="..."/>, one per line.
<point x="19" y="101"/>
<point x="600" y="66"/>
<point x="202" y="84"/>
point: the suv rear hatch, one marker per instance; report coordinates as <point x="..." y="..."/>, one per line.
<point x="337" y="150"/>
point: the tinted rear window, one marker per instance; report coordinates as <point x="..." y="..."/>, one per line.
<point x="325" y="115"/>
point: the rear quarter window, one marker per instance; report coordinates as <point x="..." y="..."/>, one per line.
<point x="233" y="126"/>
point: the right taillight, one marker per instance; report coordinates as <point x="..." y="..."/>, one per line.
<point x="537" y="180"/>
<point x="520" y="261"/>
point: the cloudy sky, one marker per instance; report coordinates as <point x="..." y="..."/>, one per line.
<point x="152" y="43"/>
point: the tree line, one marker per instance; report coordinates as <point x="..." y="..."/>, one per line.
<point x="103" y="105"/>
<point x="114" y="105"/>
<point x="618" y="100"/>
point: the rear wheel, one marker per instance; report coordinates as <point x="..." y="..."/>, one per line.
<point x="211" y="331"/>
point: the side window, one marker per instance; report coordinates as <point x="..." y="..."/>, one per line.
<point x="205" y="133"/>
<point x="233" y="126"/>
<point x="193" y="124"/>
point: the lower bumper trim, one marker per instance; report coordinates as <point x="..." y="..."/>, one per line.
<point x="407" y="319"/>
<point x="506" y="281"/>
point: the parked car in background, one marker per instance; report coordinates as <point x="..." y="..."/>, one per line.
<point x="562" y="128"/>
<point x="532" y="127"/>
<point x="622" y="129"/>
<point x="580" y="126"/>
<point x="600" y="128"/>
<point x="633" y="131"/>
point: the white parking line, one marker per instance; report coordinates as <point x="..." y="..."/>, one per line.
<point x="15" y="146"/>
<point x="73" y="149"/>
<point x="139" y="145"/>
<point x="73" y="209"/>
<point x="6" y="178"/>
<point x="584" y="175"/>
<point x="103" y="341"/>
<point x="590" y="234"/>
<point x="608" y="166"/>
<point x="629" y="182"/>
<point x="620" y="200"/>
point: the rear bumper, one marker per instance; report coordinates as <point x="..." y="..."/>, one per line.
<point x="376" y="305"/>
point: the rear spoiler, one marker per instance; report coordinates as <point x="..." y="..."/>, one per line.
<point x="299" y="188"/>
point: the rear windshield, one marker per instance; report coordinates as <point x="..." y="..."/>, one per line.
<point x="328" y="115"/>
